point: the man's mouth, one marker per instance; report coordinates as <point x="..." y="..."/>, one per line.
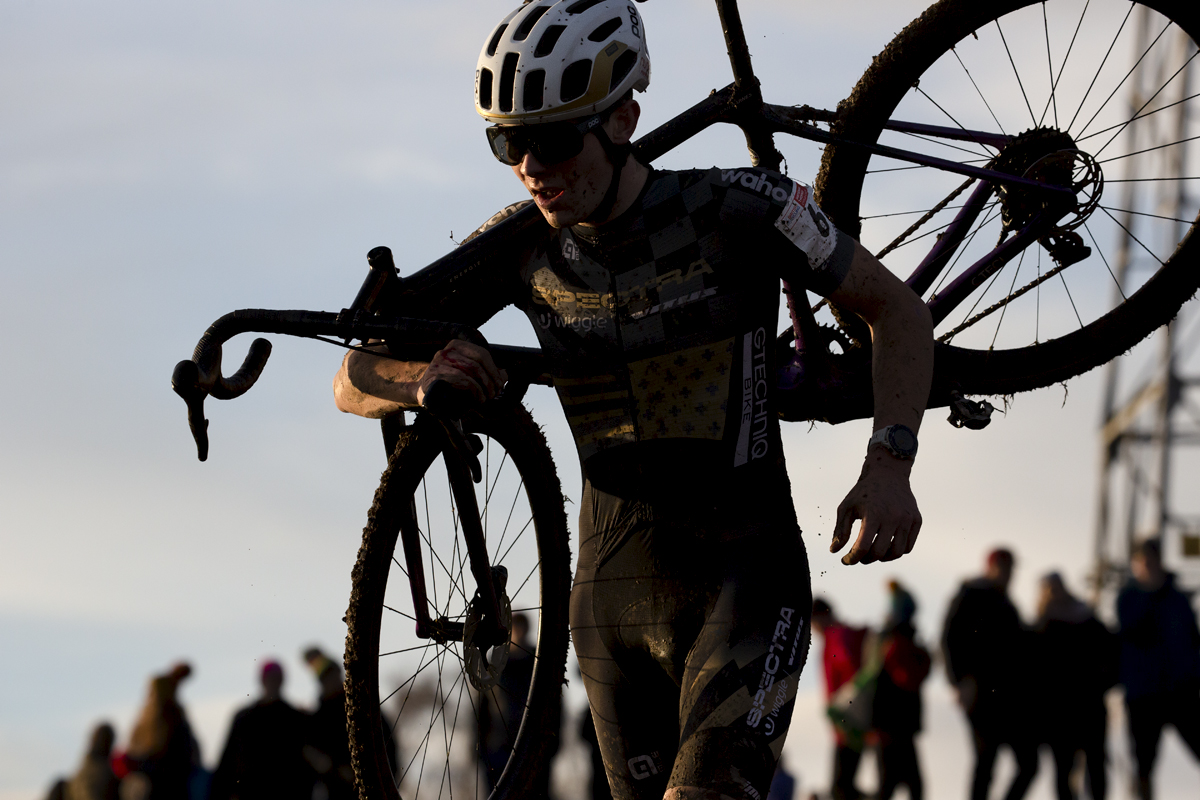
<point x="545" y="197"/>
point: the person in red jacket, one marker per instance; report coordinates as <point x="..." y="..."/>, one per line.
<point x="842" y="658"/>
<point x="896" y="714"/>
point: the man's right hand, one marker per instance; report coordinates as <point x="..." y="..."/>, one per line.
<point x="467" y="367"/>
<point x="373" y="386"/>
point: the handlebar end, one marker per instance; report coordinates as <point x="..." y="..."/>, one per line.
<point x="185" y="381"/>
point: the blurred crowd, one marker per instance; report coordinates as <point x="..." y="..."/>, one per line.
<point x="272" y="750"/>
<point x="1022" y="686"/>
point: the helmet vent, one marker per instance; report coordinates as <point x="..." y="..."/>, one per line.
<point x="622" y="67"/>
<point x="528" y="22"/>
<point x="575" y="80"/>
<point x="535" y="84"/>
<point x="582" y="6"/>
<point x="495" y="42"/>
<point x="485" y="88"/>
<point x="605" y="30"/>
<point x="545" y="45"/>
<point x="508" y="77"/>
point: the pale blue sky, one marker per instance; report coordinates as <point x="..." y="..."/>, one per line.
<point x="163" y="163"/>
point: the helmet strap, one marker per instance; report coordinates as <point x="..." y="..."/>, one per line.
<point x="617" y="156"/>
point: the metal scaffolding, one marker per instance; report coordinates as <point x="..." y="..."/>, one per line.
<point x="1149" y="458"/>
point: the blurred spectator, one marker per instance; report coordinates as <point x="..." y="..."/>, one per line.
<point x="263" y="757"/>
<point x="329" y="743"/>
<point x="1077" y="663"/>
<point x="984" y="646"/>
<point x="842" y="657"/>
<point x="162" y="761"/>
<point x="501" y="711"/>
<point x="95" y="779"/>
<point x="599" y="788"/>
<point x="897" y="710"/>
<point x="1160" y="659"/>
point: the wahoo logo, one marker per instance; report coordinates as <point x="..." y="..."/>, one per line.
<point x="755" y="183"/>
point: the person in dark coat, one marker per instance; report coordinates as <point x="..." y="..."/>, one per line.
<point x="263" y="757"/>
<point x="502" y="706"/>
<point x="1077" y="665"/>
<point x="163" y="756"/>
<point x="896" y="714"/>
<point x="984" y="646"/>
<point x="1160" y="659"/>
<point x="329" y="743"/>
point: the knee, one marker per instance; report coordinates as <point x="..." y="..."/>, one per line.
<point x="695" y="793"/>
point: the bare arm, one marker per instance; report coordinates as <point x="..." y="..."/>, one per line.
<point x="374" y="386"/>
<point x="901" y="373"/>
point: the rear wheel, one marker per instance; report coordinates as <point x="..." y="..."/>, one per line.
<point x="465" y="721"/>
<point x="1057" y="79"/>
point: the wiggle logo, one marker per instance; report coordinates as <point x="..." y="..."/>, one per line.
<point x="642" y="767"/>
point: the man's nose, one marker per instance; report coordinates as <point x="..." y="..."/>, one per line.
<point x="531" y="166"/>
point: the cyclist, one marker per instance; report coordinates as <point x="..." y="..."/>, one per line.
<point x="655" y="294"/>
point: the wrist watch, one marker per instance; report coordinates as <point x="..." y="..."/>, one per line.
<point x="899" y="440"/>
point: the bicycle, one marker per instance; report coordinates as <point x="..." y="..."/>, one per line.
<point x="1039" y="189"/>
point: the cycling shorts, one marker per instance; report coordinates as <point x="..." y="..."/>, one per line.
<point x="691" y="635"/>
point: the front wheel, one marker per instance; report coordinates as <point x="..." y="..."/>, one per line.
<point x="1100" y="94"/>
<point x="466" y="722"/>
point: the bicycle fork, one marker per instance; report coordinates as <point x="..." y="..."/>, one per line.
<point x="487" y="624"/>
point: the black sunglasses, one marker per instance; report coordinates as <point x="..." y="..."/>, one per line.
<point x="550" y="143"/>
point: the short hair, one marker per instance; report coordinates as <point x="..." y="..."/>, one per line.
<point x="1147" y="548"/>
<point x="1001" y="557"/>
<point x="821" y="608"/>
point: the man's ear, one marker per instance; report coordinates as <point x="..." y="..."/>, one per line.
<point x="621" y="125"/>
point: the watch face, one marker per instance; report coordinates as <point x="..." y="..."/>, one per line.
<point x="903" y="440"/>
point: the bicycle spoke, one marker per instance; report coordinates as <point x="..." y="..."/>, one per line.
<point x="1154" y="180"/>
<point x="950" y="117"/>
<point x="1147" y="115"/>
<point x="1146" y="214"/>
<point x="1143" y="108"/>
<point x="1072" y="299"/>
<point x="907" y="213"/>
<point x="1011" y="286"/>
<point x="1100" y="252"/>
<point x="1150" y="149"/>
<point x="966" y="243"/>
<point x="1034" y="284"/>
<point x="511" y="509"/>
<point x="401" y="613"/>
<point x="1129" y="233"/>
<point x="1016" y="73"/>
<point x="528" y="577"/>
<point x="979" y="92"/>
<point x="516" y="539"/>
<point x="399" y="566"/>
<point x="1127" y="74"/>
<point x="1066" y="57"/>
<point x="928" y="215"/>
<point x="946" y="143"/>
<point x="983" y="294"/>
<point x="1100" y="69"/>
<point x="1051" y="100"/>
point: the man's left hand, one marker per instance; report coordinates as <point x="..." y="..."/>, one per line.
<point x="884" y="502"/>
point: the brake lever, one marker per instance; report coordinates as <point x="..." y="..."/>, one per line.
<point x="185" y="381"/>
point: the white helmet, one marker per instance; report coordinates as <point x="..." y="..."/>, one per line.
<point x="555" y="60"/>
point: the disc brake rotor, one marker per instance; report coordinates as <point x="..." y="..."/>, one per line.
<point x="483" y="669"/>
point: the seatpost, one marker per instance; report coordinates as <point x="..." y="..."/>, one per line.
<point x="747" y="92"/>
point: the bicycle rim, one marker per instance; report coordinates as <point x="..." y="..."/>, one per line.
<point x="1055" y="77"/>
<point x="430" y="695"/>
